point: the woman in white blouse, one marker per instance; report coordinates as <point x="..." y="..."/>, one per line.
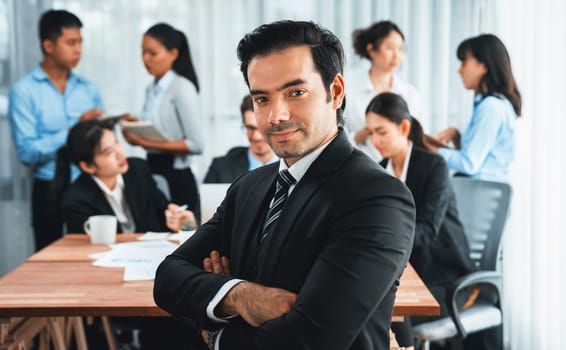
<point x="172" y="104"/>
<point x="383" y="44"/>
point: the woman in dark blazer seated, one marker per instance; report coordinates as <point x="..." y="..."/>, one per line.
<point x="440" y="250"/>
<point x="110" y="184"/>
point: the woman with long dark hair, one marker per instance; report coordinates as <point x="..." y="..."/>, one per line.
<point x="172" y="104"/>
<point x="486" y="148"/>
<point x="440" y="250"/>
<point x="383" y="45"/>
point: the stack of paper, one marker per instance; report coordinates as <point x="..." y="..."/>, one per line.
<point x="180" y="237"/>
<point x="140" y="259"/>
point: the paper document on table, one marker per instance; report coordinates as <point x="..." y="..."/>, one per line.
<point x="151" y="236"/>
<point x="181" y="236"/>
<point x="152" y="244"/>
<point x="100" y="255"/>
<point x="140" y="259"/>
<point x="139" y="273"/>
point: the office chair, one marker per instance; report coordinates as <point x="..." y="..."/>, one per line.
<point x="483" y="209"/>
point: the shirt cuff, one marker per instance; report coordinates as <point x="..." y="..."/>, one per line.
<point x="194" y="147"/>
<point x="218" y="298"/>
<point x="217" y="341"/>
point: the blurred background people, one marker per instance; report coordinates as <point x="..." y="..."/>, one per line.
<point x="383" y="44"/>
<point x="110" y="184"/>
<point x="440" y="252"/>
<point x="43" y="105"/>
<point x="172" y="104"/>
<point x="487" y="147"/>
<point x="239" y="160"/>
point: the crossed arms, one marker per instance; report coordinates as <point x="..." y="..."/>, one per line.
<point x="358" y="254"/>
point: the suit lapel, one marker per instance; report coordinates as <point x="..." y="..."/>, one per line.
<point x="99" y="202"/>
<point x="412" y="170"/>
<point x="329" y="161"/>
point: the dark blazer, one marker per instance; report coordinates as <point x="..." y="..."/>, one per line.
<point x="440" y="251"/>
<point x="226" y="169"/>
<point x="341" y="243"/>
<point x="147" y="203"/>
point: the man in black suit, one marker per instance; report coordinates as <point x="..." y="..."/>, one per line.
<point x="239" y="160"/>
<point x="311" y="261"/>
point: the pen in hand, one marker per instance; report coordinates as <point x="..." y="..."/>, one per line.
<point x="182" y="207"/>
<point x="178" y="210"/>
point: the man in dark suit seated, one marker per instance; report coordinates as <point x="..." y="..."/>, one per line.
<point x="305" y="253"/>
<point x="239" y="160"/>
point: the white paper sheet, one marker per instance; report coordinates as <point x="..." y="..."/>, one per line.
<point x="182" y="236"/>
<point x="150" y="236"/>
<point x="140" y="259"/>
<point x="139" y="272"/>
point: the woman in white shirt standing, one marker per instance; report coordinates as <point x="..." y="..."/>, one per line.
<point x="383" y="44"/>
<point x="172" y="104"/>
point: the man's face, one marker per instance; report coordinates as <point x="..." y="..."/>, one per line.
<point x="258" y="146"/>
<point x="291" y="104"/>
<point x="66" y="50"/>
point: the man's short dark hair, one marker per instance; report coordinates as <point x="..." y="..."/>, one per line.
<point x="52" y="23"/>
<point x="326" y="49"/>
<point x="246" y="105"/>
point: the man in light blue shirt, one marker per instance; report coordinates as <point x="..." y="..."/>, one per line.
<point x="43" y="105"/>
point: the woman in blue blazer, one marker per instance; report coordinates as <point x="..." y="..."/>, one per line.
<point x="440" y="250"/>
<point x="173" y="105"/>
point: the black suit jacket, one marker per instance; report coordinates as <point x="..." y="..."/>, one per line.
<point x="341" y="243"/>
<point x="228" y="168"/>
<point x="440" y="251"/>
<point x="147" y="203"/>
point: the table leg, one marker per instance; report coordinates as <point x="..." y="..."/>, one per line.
<point x="21" y="333"/>
<point x="79" y="330"/>
<point x="109" y="333"/>
<point x="56" y="326"/>
<point x="44" y="340"/>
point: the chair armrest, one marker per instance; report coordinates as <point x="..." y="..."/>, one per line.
<point x="491" y="278"/>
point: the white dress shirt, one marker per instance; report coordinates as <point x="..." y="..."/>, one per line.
<point x="118" y="203"/>
<point x="359" y="93"/>
<point x="154" y="95"/>
<point x="389" y="167"/>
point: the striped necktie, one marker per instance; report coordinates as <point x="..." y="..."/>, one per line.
<point x="284" y="181"/>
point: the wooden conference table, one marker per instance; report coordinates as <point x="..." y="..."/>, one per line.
<point x="60" y="281"/>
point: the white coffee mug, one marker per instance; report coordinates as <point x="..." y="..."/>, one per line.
<point x="101" y="229"/>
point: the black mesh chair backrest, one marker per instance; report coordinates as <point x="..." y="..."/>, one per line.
<point x="483" y="207"/>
